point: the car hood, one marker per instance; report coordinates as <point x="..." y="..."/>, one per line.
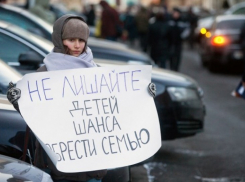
<point x="172" y="78"/>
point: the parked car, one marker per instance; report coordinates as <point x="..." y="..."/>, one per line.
<point x="25" y="43"/>
<point x="223" y="50"/>
<point x="178" y="100"/>
<point x="14" y="170"/>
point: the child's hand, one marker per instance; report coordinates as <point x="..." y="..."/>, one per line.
<point x="13" y="93"/>
<point x="152" y="89"/>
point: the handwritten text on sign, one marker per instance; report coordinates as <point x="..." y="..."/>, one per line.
<point x="94" y="118"/>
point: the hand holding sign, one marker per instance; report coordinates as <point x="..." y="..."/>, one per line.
<point x="91" y="119"/>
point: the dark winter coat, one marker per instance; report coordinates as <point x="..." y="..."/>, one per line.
<point x="159" y="37"/>
<point x="109" y="21"/>
<point x="178" y="26"/>
<point x="242" y="43"/>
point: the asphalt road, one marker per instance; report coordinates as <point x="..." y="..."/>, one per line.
<point x="215" y="155"/>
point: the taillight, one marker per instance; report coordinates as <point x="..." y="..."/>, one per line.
<point x="219" y="40"/>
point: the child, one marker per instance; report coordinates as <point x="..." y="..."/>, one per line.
<point x="70" y="35"/>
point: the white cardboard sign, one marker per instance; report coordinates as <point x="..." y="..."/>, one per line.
<point x="94" y="118"/>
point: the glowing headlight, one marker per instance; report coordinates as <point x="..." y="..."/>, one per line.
<point x="182" y="94"/>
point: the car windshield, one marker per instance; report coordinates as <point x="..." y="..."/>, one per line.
<point x="230" y="24"/>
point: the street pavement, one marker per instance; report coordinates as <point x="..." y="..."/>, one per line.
<point x="215" y="155"/>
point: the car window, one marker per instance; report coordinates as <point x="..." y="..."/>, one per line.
<point x="230" y="24"/>
<point x="239" y="11"/>
<point x="7" y="74"/>
<point x="11" y="49"/>
<point x="23" y="22"/>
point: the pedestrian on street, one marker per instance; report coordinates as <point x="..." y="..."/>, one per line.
<point x="180" y="31"/>
<point x="90" y="15"/>
<point x="70" y="36"/>
<point x="192" y="20"/>
<point x="111" y="26"/>
<point x="242" y="43"/>
<point x="142" y="20"/>
<point x="159" y="38"/>
<point x="130" y="24"/>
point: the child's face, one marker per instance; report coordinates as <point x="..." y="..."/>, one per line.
<point x="75" y="46"/>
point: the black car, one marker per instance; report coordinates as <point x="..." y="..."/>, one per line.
<point x="25" y="43"/>
<point x="27" y="52"/>
<point x="178" y="100"/>
<point x="223" y="50"/>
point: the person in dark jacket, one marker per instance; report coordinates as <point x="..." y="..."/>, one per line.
<point x="159" y="38"/>
<point x="192" y="20"/>
<point x="130" y="25"/>
<point x="111" y="26"/>
<point x="179" y="31"/>
<point x="242" y="43"/>
<point x="70" y="35"/>
<point x="90" y="15"/>
<point x="142" y="19"/>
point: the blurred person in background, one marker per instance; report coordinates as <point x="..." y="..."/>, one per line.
<point x="192" y="20"/>
<point x="242" y="43"/>
<point x="41" y="8"/>
<point x="159" y="39"/>
<point x="142" y="20"/>
<point x="111" y="27"/>
<point x="180" y="32"/>
<point x="130" y="24"/>
<point x="90" y="14"/>
<point x="3" y="1"/>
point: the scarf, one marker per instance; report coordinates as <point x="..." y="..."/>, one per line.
<point x="58" y="61"/>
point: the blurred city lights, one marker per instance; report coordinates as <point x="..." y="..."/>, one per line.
<point x="208" y="34"/>
<point x="203" y="30"/>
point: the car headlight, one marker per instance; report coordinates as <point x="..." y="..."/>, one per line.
<point x="182" y="94"/>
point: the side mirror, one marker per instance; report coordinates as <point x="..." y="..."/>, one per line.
<point x="30" y="58"/>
